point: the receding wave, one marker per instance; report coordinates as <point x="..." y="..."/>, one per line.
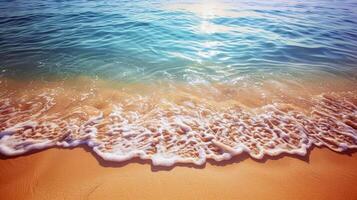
<point x="171" y="125"/>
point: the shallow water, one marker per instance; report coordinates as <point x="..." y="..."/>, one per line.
<point x="176" y="123"/>
<point x="178" y="82"/>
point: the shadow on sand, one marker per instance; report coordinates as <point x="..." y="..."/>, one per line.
<point x="234" y="160"/>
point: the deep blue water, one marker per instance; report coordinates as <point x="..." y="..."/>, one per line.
<point x="191" y="41"/>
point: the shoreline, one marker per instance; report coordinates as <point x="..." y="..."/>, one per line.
<point x="179" y="124"/>
<point x="76" y="174"/>
<point x="137" y="160"/>
<point x="79" y="173"/>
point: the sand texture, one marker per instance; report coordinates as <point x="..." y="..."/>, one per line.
<point x="76" y="174"/>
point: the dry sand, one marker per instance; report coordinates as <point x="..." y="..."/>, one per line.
<point x="79" y="174"/>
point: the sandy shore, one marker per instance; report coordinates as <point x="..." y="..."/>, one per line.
<point x="79" y="174"/>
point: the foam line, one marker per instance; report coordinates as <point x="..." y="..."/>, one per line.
<point x="188" y="132"/>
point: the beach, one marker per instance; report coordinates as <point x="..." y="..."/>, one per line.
<point x="41" y="160"/>
<point x="178" y="99"/>
<point x="177" y="123"/>
<point x="78" y="174"/>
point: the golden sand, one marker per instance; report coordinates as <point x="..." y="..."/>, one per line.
<point x="78" y="174"/>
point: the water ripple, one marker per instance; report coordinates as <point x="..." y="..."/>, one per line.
<point x="211" y="41"/>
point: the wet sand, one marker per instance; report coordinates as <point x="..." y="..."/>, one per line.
<point x="79" y="174"/>
<point x="172" y="123"/>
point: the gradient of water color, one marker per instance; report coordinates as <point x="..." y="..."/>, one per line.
<point x="178" y="81"/>
<point x="198" y="40"/>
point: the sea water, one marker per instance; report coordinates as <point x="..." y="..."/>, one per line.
<point x="178" y="81"/>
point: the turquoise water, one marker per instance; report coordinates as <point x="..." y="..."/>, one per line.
<point x="190" y="41"/>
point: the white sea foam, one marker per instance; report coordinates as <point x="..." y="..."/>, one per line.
<point x="169" y="133"/>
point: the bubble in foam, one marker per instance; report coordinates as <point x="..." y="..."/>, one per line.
<point x="172" y="132"/>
